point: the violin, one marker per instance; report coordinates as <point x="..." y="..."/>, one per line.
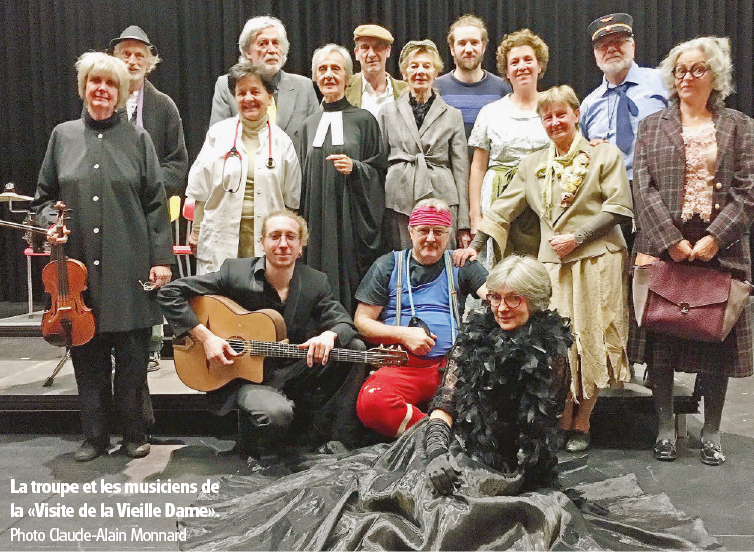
<point x="68" y="322"/>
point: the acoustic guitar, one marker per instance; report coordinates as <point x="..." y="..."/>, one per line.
<point x="252" y="336"/>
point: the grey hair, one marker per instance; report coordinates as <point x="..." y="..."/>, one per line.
<point x="321" y="53"/>
<point x="256" y="25"/>
<point x="100" y="63"/>
<point x="151" y="57"/>
<point x="523" y="275"/>
<point x="716" y="50"/>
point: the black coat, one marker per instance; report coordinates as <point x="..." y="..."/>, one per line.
<point x="163" y="123"/>
<point x="109" y="175"/>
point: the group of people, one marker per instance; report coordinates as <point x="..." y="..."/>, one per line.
<point x="360" y="219"/>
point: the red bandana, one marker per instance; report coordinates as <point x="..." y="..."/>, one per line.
<point x="430" y="216"/>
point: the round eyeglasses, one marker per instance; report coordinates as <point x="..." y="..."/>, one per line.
<point x="697" y="71"/>
<point x="512" y="301"/>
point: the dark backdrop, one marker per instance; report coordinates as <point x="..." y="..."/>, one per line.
<point x="198" y="40"/>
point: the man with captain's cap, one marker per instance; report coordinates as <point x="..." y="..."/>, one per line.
<point x="373" y="87"/>
<point x="156" y="113"/>
<point x="628" y="93"/>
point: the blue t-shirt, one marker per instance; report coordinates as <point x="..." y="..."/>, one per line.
<point x="470" y="97"/>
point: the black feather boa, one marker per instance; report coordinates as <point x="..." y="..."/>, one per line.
<point x="505" y="396"/>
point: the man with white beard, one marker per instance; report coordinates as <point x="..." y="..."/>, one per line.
<point x="264" y="41"/>
<point x="628" y="93"/>
<point x="469" y="87"/>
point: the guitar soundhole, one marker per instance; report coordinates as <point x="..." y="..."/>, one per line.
<point x="237" y="344"/>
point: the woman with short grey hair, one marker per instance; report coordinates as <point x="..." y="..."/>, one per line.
<point x="322" y="52"/>
<point x="694" y="193"/>
<point x="527" y="276"/>
<point x="343" y="191"/>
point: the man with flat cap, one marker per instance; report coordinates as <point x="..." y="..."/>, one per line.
<point x="373" y="87"/>
<point x="264" y="42"/>
<point x="628" y="93"/>
<point x="156" y="113"/>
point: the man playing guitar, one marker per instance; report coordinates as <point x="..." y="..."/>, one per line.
<point x="324" y="395"/>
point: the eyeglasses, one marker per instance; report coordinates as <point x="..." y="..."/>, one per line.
<point x="697" y="70"/>
<point x="275" y="237"/>
<point x="511" y="301"/>
<point x="424" y="231"/>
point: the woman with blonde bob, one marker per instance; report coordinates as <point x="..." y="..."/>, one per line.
<point x="694" y="193"/>
<point x="428" y="155"/>
<point x="106" y="170"/>
<point x="580" y="193"/>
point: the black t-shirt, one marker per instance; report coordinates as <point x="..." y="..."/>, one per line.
<point x="373" y="289"/>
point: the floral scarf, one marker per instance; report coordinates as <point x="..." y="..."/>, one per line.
<point x="570" y="168"/>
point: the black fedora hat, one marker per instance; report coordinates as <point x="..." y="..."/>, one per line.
<point x="134" y="32"/>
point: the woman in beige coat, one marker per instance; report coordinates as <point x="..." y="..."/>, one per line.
<point x="580" y="193"/>
<point x="428" y="155"/>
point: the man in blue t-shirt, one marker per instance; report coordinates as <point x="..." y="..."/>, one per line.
<point x="410" y="298"/>
<point x="469" y="87"/>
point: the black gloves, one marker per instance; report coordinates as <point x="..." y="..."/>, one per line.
<point x="439" y="467"/>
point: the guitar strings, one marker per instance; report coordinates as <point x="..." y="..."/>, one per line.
<point x="380" y="356"/>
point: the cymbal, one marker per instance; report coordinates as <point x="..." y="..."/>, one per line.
<point x="13" y="196"/>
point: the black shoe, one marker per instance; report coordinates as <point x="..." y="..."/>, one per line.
<point x="712" y="454"/>
<point x="89" y="450"/>
<point x="665" y="450"/>
<point x="137" y="449"/>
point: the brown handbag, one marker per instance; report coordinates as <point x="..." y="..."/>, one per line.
<point x="686" y="301"/>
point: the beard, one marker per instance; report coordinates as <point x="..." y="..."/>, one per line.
<point x="469" y="64"/>
<point x="615" y="66"/>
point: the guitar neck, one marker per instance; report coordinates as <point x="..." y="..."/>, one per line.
<point x="287" y="350"/>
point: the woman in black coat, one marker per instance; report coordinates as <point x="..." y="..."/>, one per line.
<point x="106" y="171"/>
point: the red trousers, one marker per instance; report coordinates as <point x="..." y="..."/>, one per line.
<point x="387" y="399"/>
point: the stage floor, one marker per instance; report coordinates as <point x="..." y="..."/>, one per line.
<point x="189" y="451"/>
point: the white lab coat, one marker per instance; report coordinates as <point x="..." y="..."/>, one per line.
<point x="275" y="188"/>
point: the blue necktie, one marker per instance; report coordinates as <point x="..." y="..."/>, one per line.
<point x="624" y="133"/>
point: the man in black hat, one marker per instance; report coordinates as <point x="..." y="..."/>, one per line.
<point x="628" y="93"/>
<point x="156" y="113"/>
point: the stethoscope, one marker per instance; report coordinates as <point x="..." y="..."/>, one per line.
<point x="234" y="153"/>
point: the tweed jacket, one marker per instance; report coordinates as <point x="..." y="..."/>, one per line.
<point x="605" y="188"/>
<point x="296" y="100"/>
<point x="356" y="83"/>
<point x="658" y="186"/>
<point x="163" y="123"/>
<point x="431" y="161"/>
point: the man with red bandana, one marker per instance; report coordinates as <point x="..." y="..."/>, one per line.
<point x="410" y="298"/>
